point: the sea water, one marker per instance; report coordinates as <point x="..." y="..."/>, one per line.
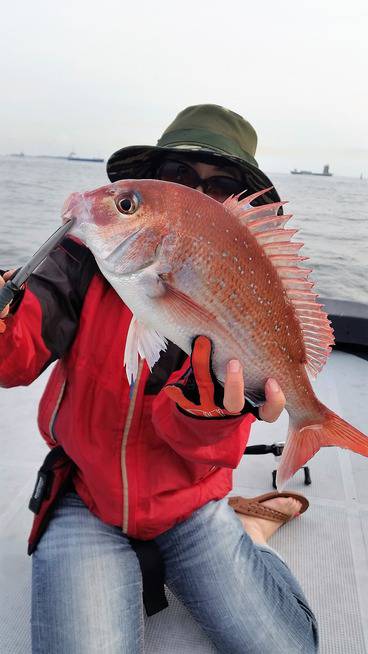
<point x="330" y="212"/>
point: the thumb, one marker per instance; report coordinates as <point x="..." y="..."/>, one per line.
<point x="174" y="393"/>
<point x="275" y="402"/>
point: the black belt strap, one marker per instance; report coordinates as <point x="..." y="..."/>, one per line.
<point x="56" y="458"/>
<point x="153" y="574"/>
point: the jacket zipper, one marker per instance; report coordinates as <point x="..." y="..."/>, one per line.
<point x="128" y="423"/>
<point x="55" y="412"/>
<point x="209" y="472"/>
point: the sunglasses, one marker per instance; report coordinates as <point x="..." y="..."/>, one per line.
<point x="218" y="187"/>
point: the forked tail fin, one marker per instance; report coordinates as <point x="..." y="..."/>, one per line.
<point x="303" y="442"/>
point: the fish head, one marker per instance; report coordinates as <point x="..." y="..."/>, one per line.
<point x="123" y="223"/>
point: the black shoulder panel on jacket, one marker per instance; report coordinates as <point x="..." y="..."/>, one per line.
<point x="60" y="284"/>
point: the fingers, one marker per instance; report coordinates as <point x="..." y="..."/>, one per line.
<point x="5" y="311"/>
<point x="201" y="366"/>
<point x="9" y="273"/>
<point x="275" y="401"/>
<point x="234" y="387"/>
<point x="201" y="361"/>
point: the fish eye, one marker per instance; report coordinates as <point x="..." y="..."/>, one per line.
<point x="128" y="204"/>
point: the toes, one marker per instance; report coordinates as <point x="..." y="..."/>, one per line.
<point x="288" y="505"/>
<point x="296" y="507"/>
<point x="292" y="508"/>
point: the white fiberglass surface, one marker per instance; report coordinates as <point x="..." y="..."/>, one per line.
<point x="326" y="548"/>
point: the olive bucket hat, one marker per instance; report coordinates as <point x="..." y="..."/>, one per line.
<point x="208" y="133"/>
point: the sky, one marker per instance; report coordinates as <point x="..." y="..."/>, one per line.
<point x="91" y="77"/>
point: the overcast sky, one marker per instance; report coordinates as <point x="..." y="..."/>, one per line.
<point x="93" y="76"/>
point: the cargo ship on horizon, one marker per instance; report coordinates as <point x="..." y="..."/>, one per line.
<point x="324" y="173"/>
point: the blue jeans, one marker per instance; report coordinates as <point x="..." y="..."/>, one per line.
<point x="87" y="586"/>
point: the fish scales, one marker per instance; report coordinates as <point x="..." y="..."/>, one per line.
<point x="188" y="265"/>
<point x="264" y="317"/>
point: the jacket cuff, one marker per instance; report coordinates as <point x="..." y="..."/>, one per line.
<point x="248" y="408"/>
<point x="172" y="419"/>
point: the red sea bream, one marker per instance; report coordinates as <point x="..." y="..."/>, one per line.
<point x="187" y="265"/>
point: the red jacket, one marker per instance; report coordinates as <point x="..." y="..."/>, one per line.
<point x="141" y="464"/>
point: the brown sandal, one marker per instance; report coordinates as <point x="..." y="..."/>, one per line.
<point x="253" y="506"/>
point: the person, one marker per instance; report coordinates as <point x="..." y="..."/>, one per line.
<point x="132" y="466"/>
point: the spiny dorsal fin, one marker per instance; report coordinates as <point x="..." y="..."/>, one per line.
<point x="269" y="229"/>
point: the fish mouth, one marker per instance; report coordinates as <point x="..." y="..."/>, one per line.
<point x="70" y="204"/>
<point x="76" y="207"/>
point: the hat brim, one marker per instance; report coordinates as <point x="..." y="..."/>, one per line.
<point x="141" y="161"/>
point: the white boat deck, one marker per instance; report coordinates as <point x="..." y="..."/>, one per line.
<point x="327" y="547"/>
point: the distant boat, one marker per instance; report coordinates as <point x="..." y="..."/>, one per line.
<point x="70" y="157"/>
<point x="325" y="173"/>
<point x="73" y="157"/>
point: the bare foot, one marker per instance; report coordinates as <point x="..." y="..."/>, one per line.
<point x="261" y="529"/>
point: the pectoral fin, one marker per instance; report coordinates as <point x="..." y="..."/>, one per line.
<point x="141" y="341"/>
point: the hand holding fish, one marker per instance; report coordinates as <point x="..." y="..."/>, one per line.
<point x="198" y="392"/>
<point x="234" y="393"/>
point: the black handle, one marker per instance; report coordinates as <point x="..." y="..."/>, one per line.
<point x="258" y="449"/>
<point x="276" y="449"/>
